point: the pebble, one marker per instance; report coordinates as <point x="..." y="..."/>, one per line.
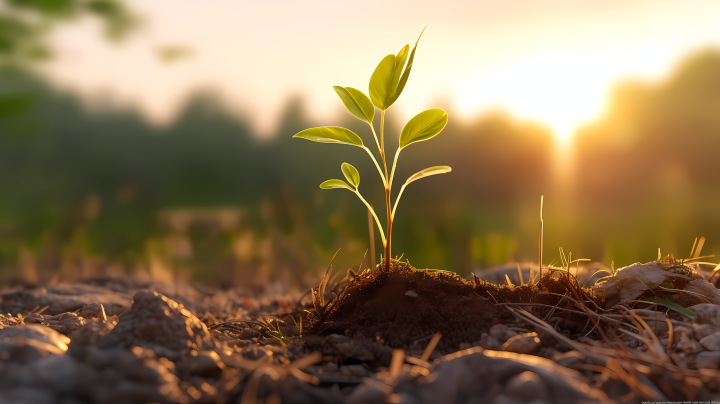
<point x="526" y="386"/>
<point x="202" y="364"/>
<point x="527" y="343"/>
<point x="706" y="313"/>
<point x="93" y="310"/>
<point x="365" y="394"/>
<point x="711" y="342"/>
<point x="67" y="324"/>
<point x="477" y="373"/>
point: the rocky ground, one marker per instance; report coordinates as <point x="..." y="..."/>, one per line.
<point x="398" y="336"/>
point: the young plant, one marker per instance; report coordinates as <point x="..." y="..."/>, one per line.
<point x="386" y="84"/>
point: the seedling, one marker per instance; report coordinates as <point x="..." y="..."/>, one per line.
<point x="386" y="84"/>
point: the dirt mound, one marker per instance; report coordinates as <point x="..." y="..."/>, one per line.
<point x="159" y="323"/>
<point x="405" y="305"/>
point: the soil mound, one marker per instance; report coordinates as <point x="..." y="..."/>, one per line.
<point x="405" y="306"/>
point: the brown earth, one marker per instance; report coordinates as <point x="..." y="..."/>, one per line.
<point x="405" y="305"/>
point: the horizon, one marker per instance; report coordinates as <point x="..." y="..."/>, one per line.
<point x="471" y="65"/>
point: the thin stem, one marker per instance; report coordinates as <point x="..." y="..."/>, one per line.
<point x="377" y="221"/>
<point x="392" y="172"/>
<point x="375" y="136"/>
<point x="398" y="199"/>
<point x="382" y="143"/>
<point x="387" y="192"/>
<point x="376" y="165"/>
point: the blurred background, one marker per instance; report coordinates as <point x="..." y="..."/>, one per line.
<point x="153" y="137"/>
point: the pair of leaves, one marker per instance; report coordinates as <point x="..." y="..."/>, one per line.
<point x="351" y="174"/>
<point x="388" y="80"/>
<point x="422" y="126"/>
<point x="353" y="177"/>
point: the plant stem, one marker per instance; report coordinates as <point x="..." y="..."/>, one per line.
<point x="387" y="192"/>
<point x="392" y="172"/>
<point x="371" y="229"/>
<point x="384" y="180"/>
<point x="397" y="200"/>
<point x="375" y="136"/>
<point x="377" y="221"/>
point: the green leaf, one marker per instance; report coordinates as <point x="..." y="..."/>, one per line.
<point x="351" y="174"/>
<point x="428" y="172"/>
<point x="357" y="103"/>
<point x="400" y="59"/>
<point x="423" y="126"/>
<point x="331" y="134"/>
<point x="380" y="82"/>
<point x="330" y="184"/>
<point x="673" y="305"/>
<point x="406" y="74"/>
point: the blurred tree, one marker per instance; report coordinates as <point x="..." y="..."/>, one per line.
<point x="24" y="29"/>
<point x="26" y="24"/>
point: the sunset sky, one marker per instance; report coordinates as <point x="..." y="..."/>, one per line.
<point x="551" y="61"/>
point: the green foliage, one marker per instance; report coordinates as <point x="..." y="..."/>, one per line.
<point x="423" y="126"/>
<point x="386" y="84"/>
<point x="351" y="174"/>
<point x="667" y="303"/>
<point x="428" y="172"/>
<point x="356" y="103"/>
<point x="330" y="184"/>
<point x="331" y="134"/>
<point x="388" y="80"/>
<point x="25" y="24"/>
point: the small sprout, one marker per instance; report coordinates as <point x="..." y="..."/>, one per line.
<point x="386" y="84"/>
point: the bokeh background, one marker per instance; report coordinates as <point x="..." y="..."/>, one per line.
<point x="153" y="137"/>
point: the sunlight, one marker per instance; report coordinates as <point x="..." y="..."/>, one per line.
<point x="562" y="91"/>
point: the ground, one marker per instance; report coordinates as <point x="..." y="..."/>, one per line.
<point x="384" y="335"/>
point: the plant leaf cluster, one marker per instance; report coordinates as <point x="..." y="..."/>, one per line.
<point x="386" y="84"/>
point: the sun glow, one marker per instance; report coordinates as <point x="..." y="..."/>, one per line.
<point x="562" y="91"/>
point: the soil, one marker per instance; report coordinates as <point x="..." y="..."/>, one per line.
<point x="129" y="341"/>
<point x="404" y="305"/>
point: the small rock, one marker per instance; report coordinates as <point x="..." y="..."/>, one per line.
<point x="705" y="359"/>
<point x="365" y="394"/>
<point x="353" y="370"/>
<point x="34" y="318"/>
<point x="331" y="367"/>
<point x="248" y="333"/>
<point x="703" y="330"/>
<point x="526" y="386"/>
<point x="706" y="313"/>
<point x="30" y="342"/>
<point x="527" y="343"/>
<point x="569" y="358"/>
<point x="354" y="350"/>
<point x="478" y="373"/>
<point x="27" y="395"/>
<point x="501" y="333"/>
<point x="685" y="343"/>
<point x="93" y="310"/>
<point x="711" y="342"/>
<point x="202" y="364"/>
<point x="337" y="339"/>
<point x="67" y="324"/>
<point x="498" y="335"/>
<point x="411" y="294"/>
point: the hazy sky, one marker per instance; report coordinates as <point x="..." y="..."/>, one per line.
<point x="551" y="61"/>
